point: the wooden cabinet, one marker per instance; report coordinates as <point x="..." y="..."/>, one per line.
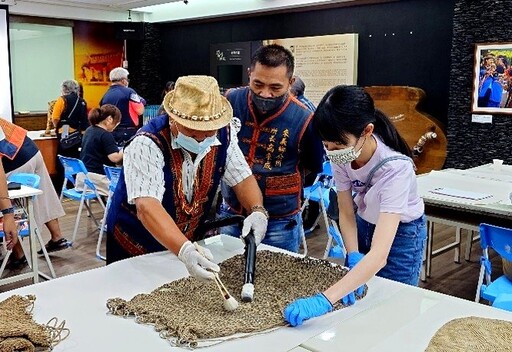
<point x="48" y="148"/>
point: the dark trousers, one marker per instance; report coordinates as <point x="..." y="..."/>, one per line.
<point x="123" y="135"/>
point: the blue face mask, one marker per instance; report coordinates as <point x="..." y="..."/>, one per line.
<point x="192" y="145"/>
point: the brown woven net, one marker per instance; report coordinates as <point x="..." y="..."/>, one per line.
<point x="20" y="333"/>
<point x="472" y="334"/>
<point x="189" y="312"/>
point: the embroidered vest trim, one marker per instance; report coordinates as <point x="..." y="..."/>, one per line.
<point x="14" y="137"/>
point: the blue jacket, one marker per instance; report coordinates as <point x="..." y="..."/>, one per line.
<point x="120" y="96"/>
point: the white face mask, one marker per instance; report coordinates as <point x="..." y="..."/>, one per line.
<point x="344" y="156"/>
<point x="192" y="145"/>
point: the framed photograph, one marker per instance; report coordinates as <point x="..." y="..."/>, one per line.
<point x="492" y="79"/>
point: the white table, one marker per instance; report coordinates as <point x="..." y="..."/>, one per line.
<point x="406" y="321"/>
<point x="25" y="194"/>
<point x="464" y="213"/>
<point x="466" y="180"/>
<point x="81" y="299"/>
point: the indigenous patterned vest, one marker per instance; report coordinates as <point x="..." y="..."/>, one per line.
<point x="122" y="222"/>
<point x="14" y="137"/>
<point x="271" y="148"/>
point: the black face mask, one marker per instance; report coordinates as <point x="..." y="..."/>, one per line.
<point x="265" y="105"/>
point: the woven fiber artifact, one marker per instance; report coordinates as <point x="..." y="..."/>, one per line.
<point x="189" y="312"/>
<point x="19" y="332"/>
<point x="472" y="334"/>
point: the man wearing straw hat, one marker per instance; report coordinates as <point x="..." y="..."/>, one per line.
<point x="172" y="169"/>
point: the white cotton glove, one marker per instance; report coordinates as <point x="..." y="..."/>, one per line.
<point x="258" y="222"/>
<point x="196" y="262"/>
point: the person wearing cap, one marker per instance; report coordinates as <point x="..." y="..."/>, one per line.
<point x="127" y="101"/>
<point x="278" y="142"/>
<point x="172" y="169"/>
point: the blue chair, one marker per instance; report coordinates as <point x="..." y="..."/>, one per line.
<point x="319" y="192"/>
<point x="150" y="112"/>
<point x="113" y="174"/>
<point x="31" y="180"/>
<point x="73" y="167"/>
<point x="334" y="247"/>
<point x="499" y="291"/>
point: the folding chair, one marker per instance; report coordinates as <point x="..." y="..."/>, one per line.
<point x="319" y="192"/>
<point x="113" y="174"/>
<point x="73" y="167"/>
<point x="499" y="291"/>
<point x="334" y="249"/>
<point x="31" y="180"/>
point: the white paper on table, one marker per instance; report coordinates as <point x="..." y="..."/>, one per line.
<point x="447" y="179"/>
<point x="458" y="193"/>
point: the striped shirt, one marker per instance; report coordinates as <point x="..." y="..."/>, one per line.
<point x="144" y="162"/>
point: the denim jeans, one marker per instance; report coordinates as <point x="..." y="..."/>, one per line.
<point x="285" y="233"/>
<point x="406" y="254"/>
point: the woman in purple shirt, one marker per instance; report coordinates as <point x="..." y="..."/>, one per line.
<point x="373" y="169"/>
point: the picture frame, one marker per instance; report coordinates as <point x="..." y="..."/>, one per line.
<point x="492" y="78"/>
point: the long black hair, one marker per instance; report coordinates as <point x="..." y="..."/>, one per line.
<point x="347" y="110"/>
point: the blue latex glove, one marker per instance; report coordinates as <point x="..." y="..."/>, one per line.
<point x="305" y="308"/>
<point x="352" y="259"/>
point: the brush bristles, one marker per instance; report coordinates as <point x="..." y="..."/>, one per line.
<point x="230" y="304"/>
<point x="247" y="293"/>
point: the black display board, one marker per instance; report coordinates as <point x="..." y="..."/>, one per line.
<point x="400" y="43"/>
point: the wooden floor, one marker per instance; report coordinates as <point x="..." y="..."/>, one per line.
<point x="456" y="279"/>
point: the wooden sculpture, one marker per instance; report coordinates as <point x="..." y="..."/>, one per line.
<point x="422" y="132"/>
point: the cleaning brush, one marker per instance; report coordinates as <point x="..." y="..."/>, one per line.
<point x="230" y="303"/>
<point x="250" y="266"/>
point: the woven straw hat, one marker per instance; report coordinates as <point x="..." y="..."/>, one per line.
<point x="196" y="103"/>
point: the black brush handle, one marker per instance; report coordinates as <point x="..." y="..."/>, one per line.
<point x="217" y="223"/>
<point x="250" y="258"/>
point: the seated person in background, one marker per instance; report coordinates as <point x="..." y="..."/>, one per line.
<point x="9" y="226"/>
<point x="99" y="147"/>
<point x="18" y="154"/>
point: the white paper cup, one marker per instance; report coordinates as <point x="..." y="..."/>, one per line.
<point x="496" y="164"/>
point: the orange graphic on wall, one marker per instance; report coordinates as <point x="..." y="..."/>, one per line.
<point x="96" y="53"/>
